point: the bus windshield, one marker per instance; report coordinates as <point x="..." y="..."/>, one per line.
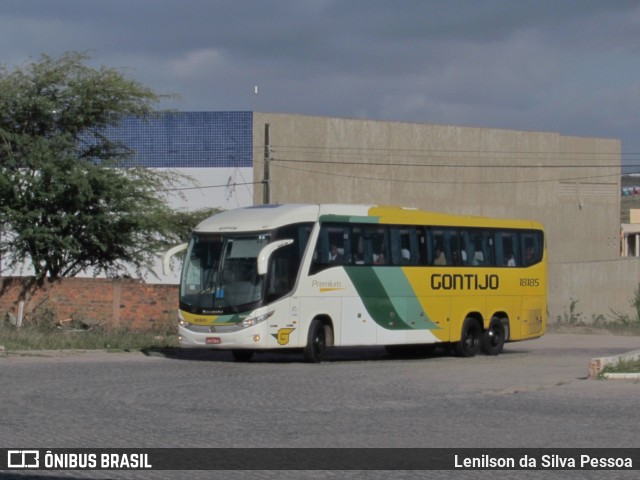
<point x="220" y="272"/>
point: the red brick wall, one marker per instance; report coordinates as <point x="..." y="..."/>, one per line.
<point x="111" y="302"/>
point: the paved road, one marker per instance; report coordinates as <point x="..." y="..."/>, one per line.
<point x="534" y="395"/>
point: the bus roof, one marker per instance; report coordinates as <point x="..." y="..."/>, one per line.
<point x="259" y="218"/>
<point x="267" y="217"/>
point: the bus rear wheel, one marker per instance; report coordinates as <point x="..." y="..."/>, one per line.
<point x="470" y="338"/>
<point x="316" y="342"/>
<point x="493" y="338"/>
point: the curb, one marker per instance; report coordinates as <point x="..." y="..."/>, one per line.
<point x="597" y="364"/>
<point x="622" y="376"/>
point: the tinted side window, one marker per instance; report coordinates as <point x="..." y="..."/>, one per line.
<point x="285" y="262"/>
<point x="532" y="246"/>
<point x="333" y="247"/>
<point x="508" y="252"/>
<point x="444" y="245"/>
<point x="405" y="245"/>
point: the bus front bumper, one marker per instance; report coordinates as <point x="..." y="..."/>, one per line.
<point x="254" y="337"/>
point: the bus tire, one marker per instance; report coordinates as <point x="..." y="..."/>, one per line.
<point x="316" y="342"/>
<point x="493" y="338"/>
<point x="242" y="355"/>
<point x="470" y="338"/>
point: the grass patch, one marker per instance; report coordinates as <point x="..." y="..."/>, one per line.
<point x="621" y="328"/>
<point x="34" y="338"/>
<point x="42" y="330"/>
<point x="623" y="366"/>
<point x="615" y="323"/>
<point x="616" y="326"/>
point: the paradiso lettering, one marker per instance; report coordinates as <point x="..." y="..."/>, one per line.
<point x="468" y="281"/>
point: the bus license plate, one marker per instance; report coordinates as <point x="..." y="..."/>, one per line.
<point x="213" y="341"/>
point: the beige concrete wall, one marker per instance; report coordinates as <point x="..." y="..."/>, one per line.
<point x="571" y="184"/>
<point x="600" y="288"/>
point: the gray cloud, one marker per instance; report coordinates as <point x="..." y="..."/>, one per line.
<point x="569" y="66"/>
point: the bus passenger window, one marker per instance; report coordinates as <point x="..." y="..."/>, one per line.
<point x="357" y="246"/>
<point x="532" y="248"/>
<point x="404" y="245"/>
<point x="507" y="248"/>
<point x="375" y="246"/>
<point x="332" y="247"/>
<point x="336" y="255"/>
<point x="480" y="248"/>
<point x="529" y="255"/>
<point x="478" y="256"/>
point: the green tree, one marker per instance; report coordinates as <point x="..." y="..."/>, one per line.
<point x="66" y="203"/>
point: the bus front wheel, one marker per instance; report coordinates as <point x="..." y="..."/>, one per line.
<point x="316" y="342"/>
<point x="470" y="338"/>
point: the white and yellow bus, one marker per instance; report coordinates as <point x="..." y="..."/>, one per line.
<point x="312" y="276"/>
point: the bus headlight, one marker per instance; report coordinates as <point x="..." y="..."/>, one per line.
<point x="181" y="321"/>
<point x="252" y="321"/>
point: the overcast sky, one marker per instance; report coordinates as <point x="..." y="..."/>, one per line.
<point x="568" y="66"/>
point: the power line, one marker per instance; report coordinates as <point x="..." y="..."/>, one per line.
<point x="437" y="165"/>
<point x="440" y="181"/>
<point x="367" y="150"/>
<point x="202" y="187"/>
<point x="427" y="152"/>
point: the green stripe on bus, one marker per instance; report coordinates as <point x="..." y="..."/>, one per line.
<point x="403" y="296"/>
<point x="389" y="298"/>
<point x="348" y="219"/>
<point x="228" y="319"/>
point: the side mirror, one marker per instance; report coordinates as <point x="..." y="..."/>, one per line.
<point x="266" y="252"/>
<point x="170" y="253"/>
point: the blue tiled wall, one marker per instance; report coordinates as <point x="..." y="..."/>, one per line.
<point x="189" y="139"/>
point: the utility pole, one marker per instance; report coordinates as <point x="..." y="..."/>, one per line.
<point x="266" y="198"/>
